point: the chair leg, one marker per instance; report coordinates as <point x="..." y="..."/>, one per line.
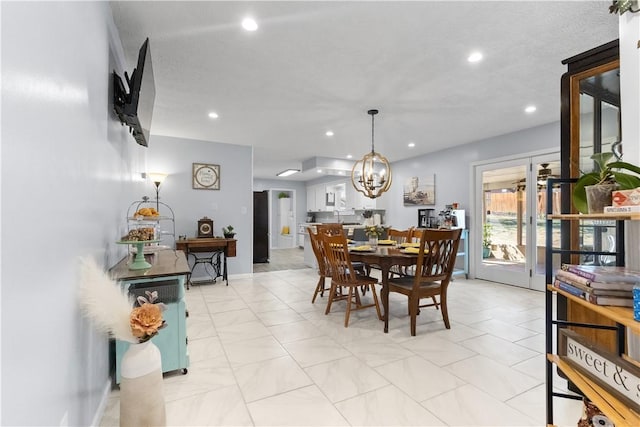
<point x="375" y="300"/>
<point x="445" y="313"/>
<point x="319" y="289"/>
<point x="413" y="313"/>
<point x="436" y="304"/>
<point x="348" y="313"/>
<point x="332" y="294"/>
<point x="356" y="295"/>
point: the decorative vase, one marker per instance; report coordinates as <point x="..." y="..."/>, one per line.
<point x="141" y="387"/>
<point x="373" y="241"/>
<point x="599" y="196"/>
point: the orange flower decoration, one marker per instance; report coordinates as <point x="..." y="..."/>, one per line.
<point x="145" y="321"/>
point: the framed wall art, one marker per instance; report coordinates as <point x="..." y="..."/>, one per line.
<point x="206" y="176"/>
<point x="420" y="191"/>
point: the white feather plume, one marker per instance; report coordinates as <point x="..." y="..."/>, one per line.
<point x="102" y="301"/>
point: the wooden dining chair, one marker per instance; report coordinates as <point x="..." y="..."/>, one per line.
<point x="323" y="267"/>
<point x="324" y="271"/>
<point x="344" y="275"/>
<point x="330" y="228"/>
<point x="400" y="236"/>
<point x="436" y="259"/>
<point x="415" y="234"/>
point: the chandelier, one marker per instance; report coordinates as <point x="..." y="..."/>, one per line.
<point x="372" y="175"/>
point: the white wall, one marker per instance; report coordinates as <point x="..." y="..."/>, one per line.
<point x="68" y="174"/>
<point x="231" y="205"/>
<point x="452" y="169"/>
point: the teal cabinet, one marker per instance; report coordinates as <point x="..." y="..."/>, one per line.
<point x="462" y="257"/>
<point x="167" y="275"/>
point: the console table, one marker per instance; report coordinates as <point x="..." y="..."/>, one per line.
<point x="166" y="276"/>
<point x="218" y="250"/>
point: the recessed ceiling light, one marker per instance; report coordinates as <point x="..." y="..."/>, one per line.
<point x="349" y="156"/>
<point x="530" y="109"/>
<point x="288" y="172"/>
<point x="329" y="133"/>
<point x="213" y="115"/>
<point x="412" y="144"/>
<point x="249" y="24"/>
<point x="475" y="57"/>
<point x="319" y="170"/>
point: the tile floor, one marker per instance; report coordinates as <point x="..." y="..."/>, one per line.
<point x="261" y="354"/>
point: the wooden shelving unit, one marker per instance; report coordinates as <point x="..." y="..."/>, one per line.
<point x="622" y="315"/>
<point x="617" y="411"/>
<point x="603" y="216"/>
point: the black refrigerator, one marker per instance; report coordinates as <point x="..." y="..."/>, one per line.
<point x="260" y="226"/>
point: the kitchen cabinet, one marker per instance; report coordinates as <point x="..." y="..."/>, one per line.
<point x="345" y="197"/>
<point x="357" y="200"/>
<point x="316" y="198"/>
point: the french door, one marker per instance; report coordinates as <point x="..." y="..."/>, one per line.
<point x="510" y="211"/>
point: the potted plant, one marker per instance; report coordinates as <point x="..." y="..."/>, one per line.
<point x="283" y="195"/>
<point x="592" y="191"/>
<point x="228" y="232"/>
<point x="374" y="232"/>
<point x="486" y="240"/>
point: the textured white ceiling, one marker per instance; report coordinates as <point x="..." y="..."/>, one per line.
<point x="314" y="66"/>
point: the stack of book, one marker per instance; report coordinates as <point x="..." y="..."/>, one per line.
<point x="598" y="285"/>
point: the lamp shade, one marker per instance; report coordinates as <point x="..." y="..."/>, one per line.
<point x="157" y="177"/>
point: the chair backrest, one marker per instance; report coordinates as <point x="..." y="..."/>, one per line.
<point x="415" y="234"/>
<point x="330" y="228"/>
<point x="437" y="263"/>
<point x="400" y="236"/>
<point x="337" y="254"/>
<point x="318" y="251"/>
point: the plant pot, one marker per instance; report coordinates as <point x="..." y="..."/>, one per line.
<point x="599" y="196"/>
<point x="486" y="251"/>
<point x="229" y="235"/>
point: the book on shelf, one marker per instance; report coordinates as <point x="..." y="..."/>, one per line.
<point x="621" y="209"/>
<point x="573" y="278"/>
<point x="594" y="299"/>
<point x="597" y="273"/>
<point x="579" y="283"/>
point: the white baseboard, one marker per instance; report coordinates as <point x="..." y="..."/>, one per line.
<point x="103" y="404"/>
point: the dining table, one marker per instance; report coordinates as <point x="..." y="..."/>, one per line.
<point x="384" y="257"/>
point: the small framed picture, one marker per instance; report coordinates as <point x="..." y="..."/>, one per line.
<point x="206" y="176"/>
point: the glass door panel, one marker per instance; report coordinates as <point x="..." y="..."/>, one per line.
<point x="512" y="216"/>
<point x="503" y="220"/>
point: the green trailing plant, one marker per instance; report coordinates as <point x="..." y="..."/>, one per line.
<point x="486" y="234"/>
<point x="606" y="172"/>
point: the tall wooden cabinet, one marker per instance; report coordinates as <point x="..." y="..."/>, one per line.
<point x="590" y="123"/>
